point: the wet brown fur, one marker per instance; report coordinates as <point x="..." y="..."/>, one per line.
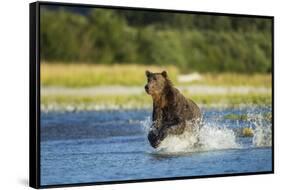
<point x="172" y="112"/>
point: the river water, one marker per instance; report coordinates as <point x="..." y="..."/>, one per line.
<point x="111" y="145"/>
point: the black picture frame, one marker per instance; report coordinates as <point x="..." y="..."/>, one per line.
<point x="34" y="94"/>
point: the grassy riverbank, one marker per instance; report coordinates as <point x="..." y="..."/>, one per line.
<point x="85" y="75"/>
<point x="144" y="101"/>
<point x="79" y="77"/>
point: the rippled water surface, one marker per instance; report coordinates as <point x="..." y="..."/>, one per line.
<point x="95" y="146"/>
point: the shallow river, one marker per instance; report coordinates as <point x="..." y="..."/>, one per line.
<point x="98" y="146"/>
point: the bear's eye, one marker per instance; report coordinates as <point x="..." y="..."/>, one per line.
<point x="154" y="78"/>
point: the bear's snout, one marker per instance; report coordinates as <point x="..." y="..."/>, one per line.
<point x="146" y="88"/>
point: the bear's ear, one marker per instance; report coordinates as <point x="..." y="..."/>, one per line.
<point x="164" y="74"/>
<point x="147" y="73"/>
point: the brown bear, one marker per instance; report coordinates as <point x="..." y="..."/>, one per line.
<point x="172" y="112"/>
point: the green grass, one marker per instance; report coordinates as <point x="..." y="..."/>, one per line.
<point x="143" y="101"/>
<point x="243" y="117"/>
<point x="135" y="101"/>
<point x="86" y="75"/>
<point x="233" y="99"/>
<point x="235" y="79"/>
<point x="78" y="75"/>
<point x="236" y="117"/>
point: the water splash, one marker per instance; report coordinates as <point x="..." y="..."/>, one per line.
<point x="177" y="144"/>
<point x="146" y="124"/>
<point x="262" y="131"/>
<point x="209" y="137"/>
<point x="215" y="135"/>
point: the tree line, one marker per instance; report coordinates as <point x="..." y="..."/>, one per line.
<point x="192" y="42"/>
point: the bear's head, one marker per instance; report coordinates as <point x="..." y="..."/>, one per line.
<point x="156" y="83"/>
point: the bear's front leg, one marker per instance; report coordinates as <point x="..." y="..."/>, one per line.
<point x="153" y="137"/>
<point x="157" y="135"/>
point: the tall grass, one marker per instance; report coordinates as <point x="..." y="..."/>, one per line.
<point x="236" y="79"/>
<point x="85" y="75"/>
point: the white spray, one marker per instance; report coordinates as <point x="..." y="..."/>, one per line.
<point x="211" y="137"/>
<point x="262" y="133"/>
